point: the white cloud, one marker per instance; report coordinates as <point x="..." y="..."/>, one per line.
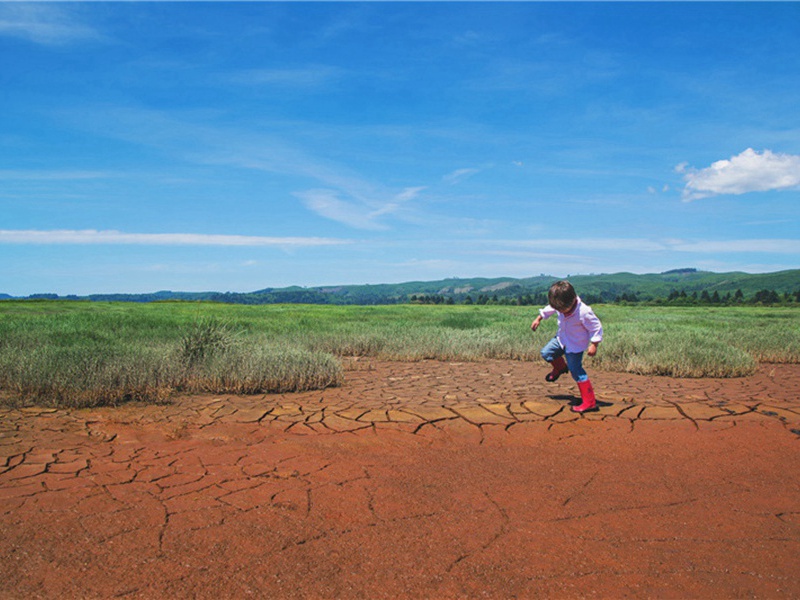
<point x="43" y="23"/>
<point x="747" y="172"/>
<point x="91" y="236"/>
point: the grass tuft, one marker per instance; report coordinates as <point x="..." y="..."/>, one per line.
<point x="204" y="338"/>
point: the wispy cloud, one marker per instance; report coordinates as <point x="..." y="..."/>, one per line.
<point x="599" y="244"/>
<point x="635" y="245"/>
<point x="91" y="236"/>
<point x="746" y="172"/>
<point x="409" y="193"/>
<point x="395" y="204"/>
<point x="459" y="175"/>
<point x="44" y="23"/>
<point x="307" y="77"/>
<point x="54" y="175"/>
<point x="355" y="212"/>
<point x="327" y="203"/>
<point x="772" y="246"/>
<point x="340" y="194"/>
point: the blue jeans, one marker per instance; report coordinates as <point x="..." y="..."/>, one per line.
<point x="553" y="350"/>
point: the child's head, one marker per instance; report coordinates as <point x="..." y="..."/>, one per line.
<point x="562" y="296"/>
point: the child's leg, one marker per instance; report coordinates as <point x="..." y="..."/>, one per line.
<point x="588" y="400"/>
<point x="575" y="364"/>
<point x="554" y="354"/>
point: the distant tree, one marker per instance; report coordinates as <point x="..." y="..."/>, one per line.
<point x="591" y="298"/>
<point x="766" y="297"/>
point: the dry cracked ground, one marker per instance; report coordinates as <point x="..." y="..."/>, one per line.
<point x="413" y="480"/>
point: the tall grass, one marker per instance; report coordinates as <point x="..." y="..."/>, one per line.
<point x="82" y="358"/>
<point x="83" y="354"/>
<point x="698" y="342"/>
<point x="86" y="376"/>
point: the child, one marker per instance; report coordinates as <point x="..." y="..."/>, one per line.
<point x="579" y="330"/>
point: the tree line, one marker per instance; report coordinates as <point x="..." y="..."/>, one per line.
<point x="674" y="298"/>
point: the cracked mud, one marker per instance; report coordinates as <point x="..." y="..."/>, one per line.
<point x="412" y="480"/>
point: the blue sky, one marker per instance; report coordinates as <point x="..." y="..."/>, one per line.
<point x="237" y="146"/>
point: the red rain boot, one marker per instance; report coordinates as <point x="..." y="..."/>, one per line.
<point x="587" y="395"/>
<point x="559" y="368"/>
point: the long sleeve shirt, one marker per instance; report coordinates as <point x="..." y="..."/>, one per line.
<point x="579" y="329"/>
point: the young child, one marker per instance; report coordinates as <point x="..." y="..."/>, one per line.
<point x="579" y="331"/>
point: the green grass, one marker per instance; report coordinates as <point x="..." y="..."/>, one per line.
<point x="698" y="342"/>
<point x="87" y="354"/>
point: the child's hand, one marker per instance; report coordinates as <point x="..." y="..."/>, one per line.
<point x="536" y="322"/>
<point x="592" y="349"/>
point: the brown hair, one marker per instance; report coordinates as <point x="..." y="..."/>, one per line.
<point x="562" y="295"/>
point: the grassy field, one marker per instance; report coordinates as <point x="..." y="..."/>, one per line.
<point x="87" y="354"/>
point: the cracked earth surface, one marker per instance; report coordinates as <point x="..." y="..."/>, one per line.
<point x="418" y="480"/>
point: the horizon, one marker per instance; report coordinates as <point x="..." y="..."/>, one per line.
<point x="384" y="283"/>
<point x="243" y="146"/>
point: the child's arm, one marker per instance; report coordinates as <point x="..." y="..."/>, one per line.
<point x="595" y="329"/>
<point x="544" y="313"/>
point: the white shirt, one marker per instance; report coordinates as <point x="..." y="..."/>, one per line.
<point x="577" y="330"/>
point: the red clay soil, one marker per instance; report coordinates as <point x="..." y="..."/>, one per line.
<point x="422" y="480"/>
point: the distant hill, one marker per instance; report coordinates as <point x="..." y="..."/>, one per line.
<point x="532" y="290"/>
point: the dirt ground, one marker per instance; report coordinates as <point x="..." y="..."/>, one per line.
<point x="421" y="480"/>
